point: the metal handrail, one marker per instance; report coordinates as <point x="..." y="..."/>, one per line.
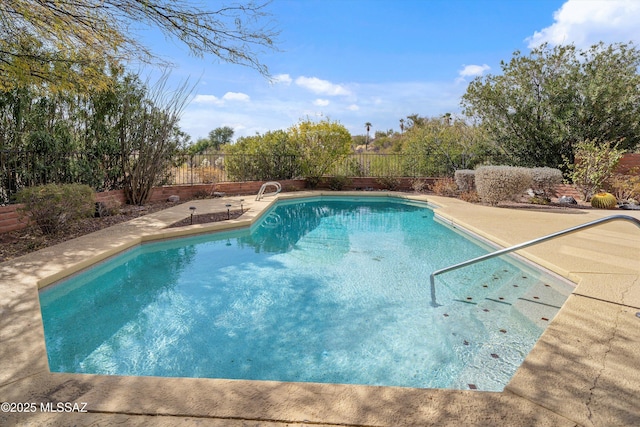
<point x="432" y="278"/>
<point x="265" y="185"/>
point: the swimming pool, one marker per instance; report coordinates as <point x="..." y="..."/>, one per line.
<point x="323" y="290"/>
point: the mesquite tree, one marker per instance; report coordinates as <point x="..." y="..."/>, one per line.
<point x="66" y="45"/>
<point x="546" y="102"/>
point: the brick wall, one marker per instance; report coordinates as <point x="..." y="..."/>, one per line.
<point x="627" y="162"/>
<point x="404" y="184"/>
<point x="10" y="219"/>
<point x="229" y="188"/>
<point x="568" y="190"/>
<point x="111" y="196"/>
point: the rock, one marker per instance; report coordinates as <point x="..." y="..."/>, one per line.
<point x="101" y="210"/>
<point x="173" y="199"/>
<point x="567" y="200"/>
<point x="218" y="194"/>
<point x="629" y="207"/>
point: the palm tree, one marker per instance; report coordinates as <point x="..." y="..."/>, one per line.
<point x="367" y="126"/>
<point x="401" y="126"/>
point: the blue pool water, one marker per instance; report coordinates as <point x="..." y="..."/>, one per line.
<point x="323" y="290"/>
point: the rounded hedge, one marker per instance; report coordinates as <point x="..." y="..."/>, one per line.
<point x="500" y="183"/>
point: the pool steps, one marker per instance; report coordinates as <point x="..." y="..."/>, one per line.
<point x="526" y="245"/>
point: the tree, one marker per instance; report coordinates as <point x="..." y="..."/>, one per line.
<point x="67" y="44"/>
<point x="367" y="126"/>
<point x="415" y="120"/>
<point x="214" y="141"/>
<point x="546" y="102"/>
<point x="122" y="137"/>
<point x="383" y="140"/>
<point x="59" y="138"/>
<point x="320" y="145"/>
<point x="437" y="148"/>
<point x="263" y="157"/>
<point x="148" y="135"/>
<point x="220" y="136"/>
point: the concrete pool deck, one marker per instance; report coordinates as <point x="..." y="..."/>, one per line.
<point x="584" y="370"/>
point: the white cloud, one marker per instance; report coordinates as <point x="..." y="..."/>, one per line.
<point x="214" y="100"/>
<point x="381" y="104"/>
<point x="321" y="102"/>
<point x="321" y="87"/>
<point x="281" y="79"/>
<point x="236" y="96"/>
<point x="585" y="23"/>
<point x="473" y="70"/>
<point x="207" y="99"/>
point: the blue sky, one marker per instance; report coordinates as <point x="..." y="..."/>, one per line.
<point x="377" y="61"/>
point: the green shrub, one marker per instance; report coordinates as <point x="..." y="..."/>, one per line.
<point x="499" y="183"/>
<point x="390" y="183"/>
<point x="338" y="182"/>
<point x="107" y="207"/>
<point x="51" y="206"/>
<point x="312" y="181"/>
<point x="538" y="200"/>
<point x="594" y="164"/>
<point x="465" y="179"/>
<point x="545" y="180"/>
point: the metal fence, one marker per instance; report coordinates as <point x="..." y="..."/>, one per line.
<point x="378" y="165"/>
<point x="19" y="169"/>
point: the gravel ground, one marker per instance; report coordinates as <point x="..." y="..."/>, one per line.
<point x="21" y="242"/>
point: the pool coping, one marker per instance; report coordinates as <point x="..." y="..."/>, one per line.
<point x="582" y="371"/>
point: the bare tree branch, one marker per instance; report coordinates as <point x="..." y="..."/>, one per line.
<point x="237" y="34"/>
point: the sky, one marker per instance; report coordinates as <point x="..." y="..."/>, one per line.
<point x="378" y="61"/>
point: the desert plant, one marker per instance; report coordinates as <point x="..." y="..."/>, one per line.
<point x="107" y="207"/>
<point x="625" y="187"/>
<point x="312" y="181"/>
<point x="499" y="183"/>
<point x="419" y="185"/>
<point x="338" y="182"/>
<point x="51" y="206"/>
<point x="604" y="200"/>
<point x="319" y="146"/>
<point x="148" y="135"/>
<point x="470" y="196"/>
<point x="539" y="200"/>
<point x="545" y="180"/>
<point x="594" y="164"/>
<point x="445" y="187"/>
<point x="465" y="179"/>
<point x="390" y="183"/>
